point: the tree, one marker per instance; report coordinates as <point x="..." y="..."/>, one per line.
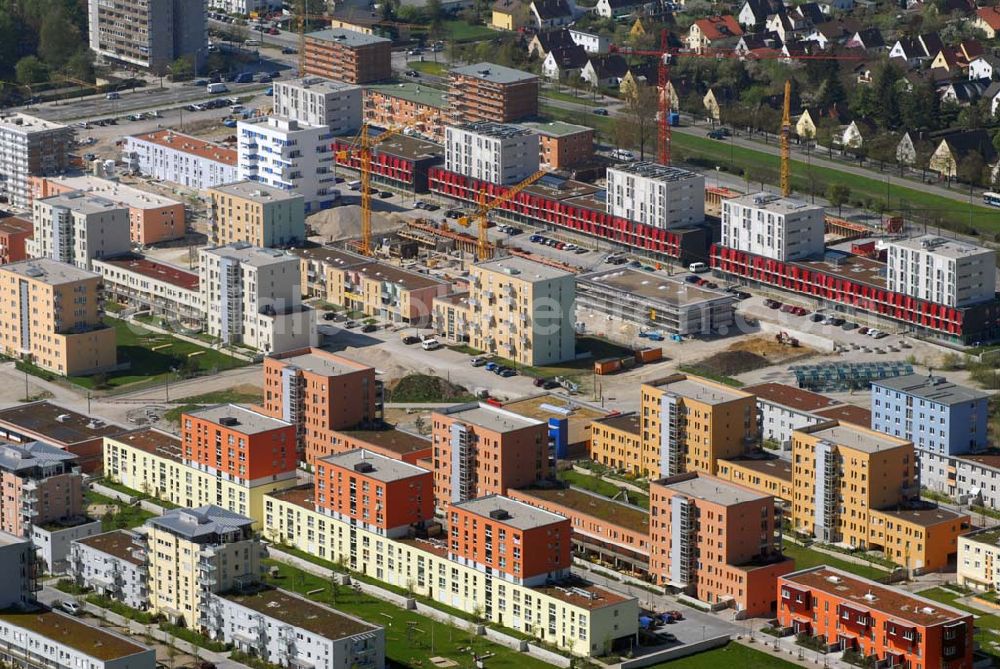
<point x="970" y="167"/>
<point x="435" y="15"/>
<point x="919" y="107"/>
<point x="58" y="40"/>
<point x="81" y="65"/>
<point x="882" y="147"/>
<point x="831" y="92"/>
<point x="637" y="126"/>
<point x="182" y="69"/>
<point x="30" y="70"/>
<point x="838" y="195"/>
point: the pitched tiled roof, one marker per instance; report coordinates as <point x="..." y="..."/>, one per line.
<point x="719" y="27"/>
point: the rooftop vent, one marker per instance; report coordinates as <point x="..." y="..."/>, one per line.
<point x="62" y="418"/>
<point x="364" y="467"/>
<point x="499" y="514"/>
<point x="229" y="421"/>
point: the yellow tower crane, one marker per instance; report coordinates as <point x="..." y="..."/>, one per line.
<point x="362" y="147"/>
<point x="482" y="215"/>
<point x="786" y="138"/>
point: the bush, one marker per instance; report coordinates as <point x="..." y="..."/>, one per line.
<point x="194" y="637"/>
<point x="817" y="643"/>
<point x="141" y="617"/>
<point x="70" y="587"/>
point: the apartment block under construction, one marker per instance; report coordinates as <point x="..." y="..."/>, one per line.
<point x="489" y="92"/>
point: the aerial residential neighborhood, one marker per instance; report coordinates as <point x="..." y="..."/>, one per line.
<point x="499" y="334"/>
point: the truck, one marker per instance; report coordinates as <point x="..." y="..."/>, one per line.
<point x="217" y="88"/>
<point x="244" y="78"/>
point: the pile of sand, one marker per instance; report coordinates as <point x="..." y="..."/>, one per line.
<point x="342" y="223"/>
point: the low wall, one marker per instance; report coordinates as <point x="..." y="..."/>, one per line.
<point x="609" y="479"/>
<point x="113" y="494"/>
<point x="675" y="653"/>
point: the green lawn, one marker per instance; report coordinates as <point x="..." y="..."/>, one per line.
<point x="463" y="31"/>
<point x="408" y="635"/>
<point x="218" y="397"/>
<point x="732" y="655"/>
<point x="429" y="67"/>
<point x="567" y="95"/>
<point x="136" y="345"/>
<point x="602" y="487"/>
<point x="123" y="517"/>
<point x="987" y="625"/>
<point x="137" y="493"/>
<point x="702" y="152"/>
<point x="806" y="557"/>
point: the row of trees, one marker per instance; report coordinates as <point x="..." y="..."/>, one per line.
<point x="43" y="39"/>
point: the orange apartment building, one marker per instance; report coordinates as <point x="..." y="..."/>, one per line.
<point x="38" y="484"/>
<point x="50" y="313"/>
<point x="14" y="231"/>
<point x="482" y="450"/>
<point x="611" y="531"/>
<point x="380" y="494"/>
<point x="716" y="541"/>
<point x="153" y="218"/>
<point x="857" y="487"/>
<point x="239" y="445"/>
<point x="563" y="145"/>
<point x="390" y="442"/>
<point x="897" y="628"/>
<point x="519" y="542"/>
<point x="319" y="392"/>
<point x="489" y="92"/>
<point x="407" y="105"/>
<point x="348" y="55"/>
<point x="69" y="430"/>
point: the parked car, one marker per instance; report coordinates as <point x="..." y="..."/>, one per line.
<point x="772" y="304"/>
<point x="507" y="372"/>
<point x="413" y="74"/>
<point x="288" y="50"/>
<point x="329" y="316"/>
<point x="71" y="608"/>
<point x="550" y="384"/>
<point x="491" y="366"/>
<point x="410" y="340"/>
<point x="350" y="325"/>
<point x="698" y="267"/>
<point x="862" y="330"/>
<point x="369" y="327"/>
<point x="477" y="361"/>
<point x="817" y="317"/>
<point x="601" y="111"/>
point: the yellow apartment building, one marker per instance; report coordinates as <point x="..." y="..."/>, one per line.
<point x="690" y="423"/>
<point x="385" y="291"/>
<point x="771" y="476"/>
<point x="616" y="442"/>
<point x="50" y="313"/>
<point x="150" y="461"/>
<point x="193" y="552"/>
<point x="260" y="215"/>
<point x="574" y="615"/>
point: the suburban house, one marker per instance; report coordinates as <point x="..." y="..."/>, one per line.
<point x="912" y="146"/>
<point x="762" y="44"/>
<point x="992" y="93"/>
<point x="988" y="20"/>
<point x="805" y="126"/>
<point x="509" y="15"/>
<point x="715" y="98"/>
<point x="713" y="33"/>
<point x="915" y="50"/>
<point x="963" y="93"/>
<point x="830" y="33"/>
<point x="852" y="135"/>
<point x="551" y="13"/>
<point x="591" y="42"/>
<point x="867" y="38"/>
<point x="754" y="13"/>
<point x="984" y="68"/>
<point x="956" y="147"/>
<point x="547" y="40"/>
<point x="605" y="70"/>
<point x="561" y="62"/>
<point x="613" y="9"/>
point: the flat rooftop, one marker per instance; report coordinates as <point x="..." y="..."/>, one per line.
<point x="925" y="517"/>
<point x="543" y="407"/>
<point x="190" y="145"/>
<point x="302" y="613"/>
<point x="609" y="511"/>
<point x="847" y="413"/>
<point x="775" y="467"/>
<point x="556" y="129"/>
<point x="496" y="130"/>
<point x="774" y="203"/>
<point x="257" y="192"/>
<point x="50" y="271"/>
<point x="629" y="422"/>
<point x="15" y="224"/>
<point x="713" y="490"/>
<point x="303" y="496"/>
<point x="582" y="594"/>
<point x="322" y="362"/>
<point x="316" y="85"/>
<point x="246" y="421"/>
<point x="115" y="191"/>
<point x="25" y="123"/>
<point x="330" y="256"/>
<point x="651" y="170"/>
<point x="523" y="269"/>
<point x="394" y="441"/>
<point x="154" y="442"/>
<point x="693" y="388"/>
<point x="949" y="248"/>
<point x="349" y="38"/>
<point x="559" y="188"/>
<point x="404" y="278"/>
<point x="249" y="255"/>
<point x="55" y="424"/>
<point x="68" y="631"/>
<point x="374" y="466"/>
<point x="855" y="590"/>
<point x="119" y="543"/>
<point x="847" y="266"/>
<point x="154" y="269"/>
<point x="420" y="94"/>
<point x="81" y="201"/>
<point x="493" y="73"/>
<point x="488" y="417"/>
<point x="856" y="437"/>
<point x="935" y="389"/>
<point x="653" y="286"/>
<point x="509" y="512"/>
<point x="790" y="396"/>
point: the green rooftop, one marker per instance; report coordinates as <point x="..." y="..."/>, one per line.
<point x="990" y="536"/>
<point x="556" y="128"/>
<point x="418" y="93"/>
<point x="59" y="628"/>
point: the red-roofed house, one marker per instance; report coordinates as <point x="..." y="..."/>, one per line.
<point x="987" y="20"/>
<point x="714" y="32"/>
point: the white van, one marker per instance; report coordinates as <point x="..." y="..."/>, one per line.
<point x="251" y="42"/>
<point x="430" y="344"/>
<point x="698" y="267"/>
<point x="622" y="154"/>
<point x="217" y="88"/>
<point x="354" y="185"/>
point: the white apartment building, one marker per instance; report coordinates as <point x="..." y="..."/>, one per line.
<point x="493" y="152"/>
<point x="772" y="226"/>
<point x="77" y="228"/>
<point x="944" y="271"/>
<point x="143" y="284"/>
<point x="148" y="34"/>
<point x="290" y="155"/>
<point x="319" y="101"/>
<point x="112" y="564"/>
<point x="655" y="195"/>
<point x="244" y="7"/>
<point x="252" y="296"/>
<point x="286" y="630"/>
<point x="181" y="159"/>
<point x="30" y="146"/>
<point x="591" y="42"/>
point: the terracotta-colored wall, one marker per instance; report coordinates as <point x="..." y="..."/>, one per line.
<point x="568" y="151"/>
<point x="339" y="442"/>
<point x="402" y="502"/>
<point x="264" y="454"/>
<point x="528" y="553"/>
<point x="12" y="245"/>
<point x="158" y="224"/>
